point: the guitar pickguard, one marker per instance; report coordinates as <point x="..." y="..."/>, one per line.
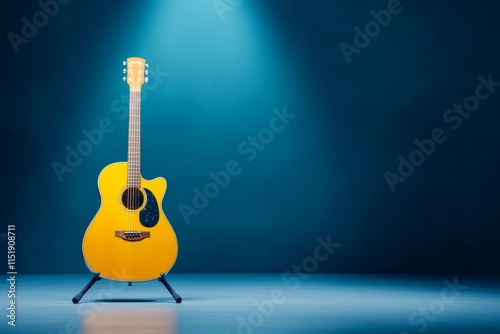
<point x="150" y="214"/>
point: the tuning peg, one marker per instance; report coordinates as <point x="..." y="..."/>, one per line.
<point x="147" y="72"/>
<point x="146" y="80"/>
<point x="124" y="70"/>
<point x="124" y="63"/>
<point x="147" y="65"/>
<point x="124" y="79"/>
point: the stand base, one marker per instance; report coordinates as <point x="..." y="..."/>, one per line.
<point x="97" y="277"/>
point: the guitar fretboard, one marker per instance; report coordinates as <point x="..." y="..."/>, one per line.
<point x="134" y="140"/>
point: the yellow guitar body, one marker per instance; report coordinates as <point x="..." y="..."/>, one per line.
<point x="121" y="243"/>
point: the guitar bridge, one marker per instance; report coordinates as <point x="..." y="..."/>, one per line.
<point x="132" y="235"/>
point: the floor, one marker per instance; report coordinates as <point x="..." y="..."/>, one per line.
<point x="246" y="304"/>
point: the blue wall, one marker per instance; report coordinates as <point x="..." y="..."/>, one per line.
<point x="219" y="76"/>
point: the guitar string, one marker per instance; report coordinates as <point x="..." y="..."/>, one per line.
<point x="131" y="192"/>
<point x="130" y="199"/>
<point x="134" y="158"/>
<point x="136" y="150"/>
<point x="135" y="174"/>
<point x="131" y="158"/>
<point x="131" y="154"/>
<point x="134" y="154"/>
<point x="134" y="165"/>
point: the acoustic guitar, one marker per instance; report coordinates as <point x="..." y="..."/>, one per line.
<point x="130" y="238"/>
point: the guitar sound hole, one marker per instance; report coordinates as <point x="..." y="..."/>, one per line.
<point x="132" y="198"/>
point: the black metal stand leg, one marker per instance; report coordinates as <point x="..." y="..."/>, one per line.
<point x="79" y="296"/>
<point x="174" y="294"/>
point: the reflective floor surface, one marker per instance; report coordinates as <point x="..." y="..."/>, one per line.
<point x="248" y="304"/>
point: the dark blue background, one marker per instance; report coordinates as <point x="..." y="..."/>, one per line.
<point x="322" y="175"/>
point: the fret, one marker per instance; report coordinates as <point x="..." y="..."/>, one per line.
<point x="134" y="140"/>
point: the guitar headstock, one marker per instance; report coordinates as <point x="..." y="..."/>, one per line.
<point x="136" y="71"/>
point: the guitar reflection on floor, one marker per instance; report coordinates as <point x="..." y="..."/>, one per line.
<point x="138" y="320"/>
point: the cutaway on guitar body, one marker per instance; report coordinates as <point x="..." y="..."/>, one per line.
<point x="129" y="245"/>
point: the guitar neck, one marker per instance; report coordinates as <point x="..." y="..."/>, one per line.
<point x="134" y="140"/>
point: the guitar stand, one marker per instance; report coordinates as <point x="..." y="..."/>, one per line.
<point x="174" y="294"/>
<point x="97" y="277"/>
